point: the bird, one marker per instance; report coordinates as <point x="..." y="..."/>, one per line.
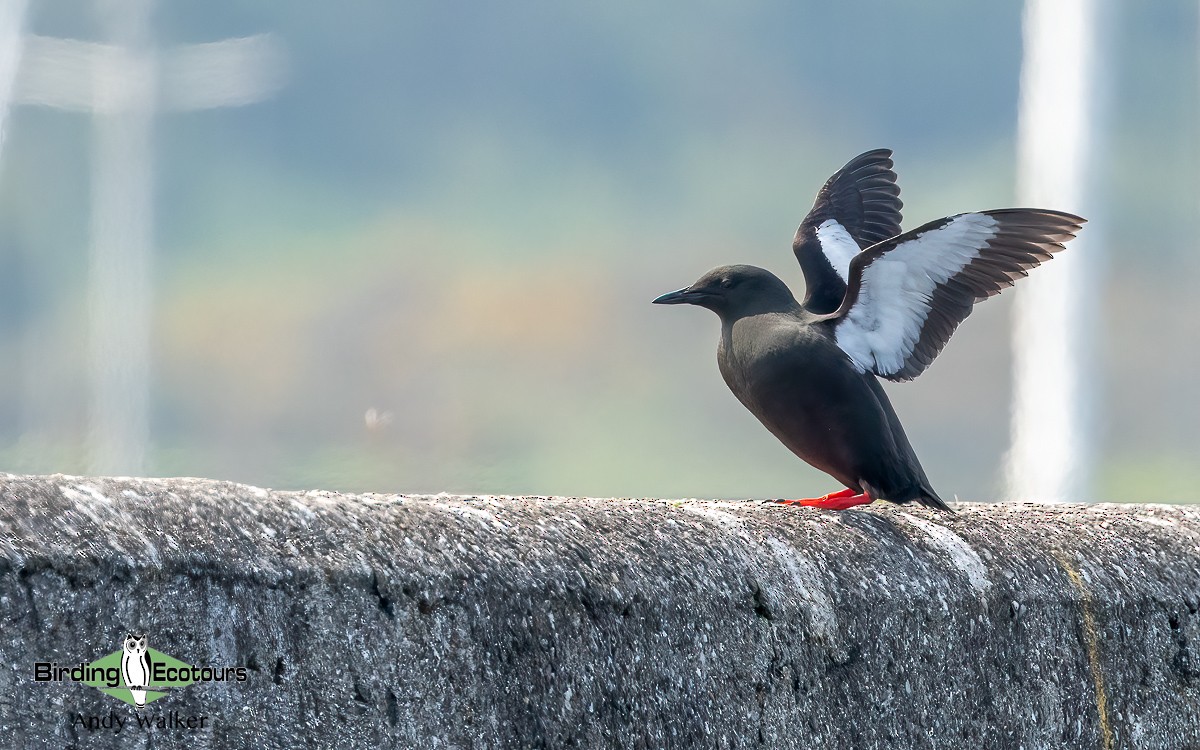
<point x="878" y="303"/>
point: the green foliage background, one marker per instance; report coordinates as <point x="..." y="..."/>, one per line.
<point x="456" y="214"/>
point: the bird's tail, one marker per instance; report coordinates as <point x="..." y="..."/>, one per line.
<point x="930" y="499"/>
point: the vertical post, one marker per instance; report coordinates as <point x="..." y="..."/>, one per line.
<point x="12" y="22"/>
<point x="119" y="275"/>
<point x="124" y="82"/>
<point x="1052" y="449"/>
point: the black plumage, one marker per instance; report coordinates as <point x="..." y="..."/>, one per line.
<point x="809" y="375"/>
<point x="864" y="200"/>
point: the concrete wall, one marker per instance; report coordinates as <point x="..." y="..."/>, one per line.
<point x="390" y="621"/>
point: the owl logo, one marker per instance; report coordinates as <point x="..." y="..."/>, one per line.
<point x="135" y="667"/>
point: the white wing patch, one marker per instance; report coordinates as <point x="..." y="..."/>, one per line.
<point x="839" y="247"/>
<point x="881" y="329"/>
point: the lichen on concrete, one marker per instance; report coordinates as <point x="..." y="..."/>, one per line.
<point x="479" y="622"/>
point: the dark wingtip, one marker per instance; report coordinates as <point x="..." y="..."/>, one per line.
<point x="872" y="155"/>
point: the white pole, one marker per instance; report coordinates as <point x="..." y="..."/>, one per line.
<point x="121" y="252"/>
<point x="1051" y="457"/>
<point x="12" y="21"/>
<point x="123" y="83"/>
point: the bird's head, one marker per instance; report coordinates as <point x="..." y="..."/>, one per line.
<point x="734" y="292"/>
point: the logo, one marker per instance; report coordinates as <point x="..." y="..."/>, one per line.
<point x="135" y="669"/>
<point x="136" y="674"/>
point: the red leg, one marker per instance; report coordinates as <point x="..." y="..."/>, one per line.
<point x="842" y="500"/>
<point x="812" y="501"/>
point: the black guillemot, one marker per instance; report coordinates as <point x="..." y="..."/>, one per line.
<point x="878" y="304"/>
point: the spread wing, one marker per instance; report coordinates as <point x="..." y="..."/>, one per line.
<point x="906" y="295"/>
<point x="858" y="207"/>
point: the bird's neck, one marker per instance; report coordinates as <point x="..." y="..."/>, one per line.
<point x="764" y="307"/>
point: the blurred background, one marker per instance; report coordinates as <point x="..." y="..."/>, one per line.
<point x="422" y="259"/>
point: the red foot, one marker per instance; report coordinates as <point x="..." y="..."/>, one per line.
<point x="843" y="500"/>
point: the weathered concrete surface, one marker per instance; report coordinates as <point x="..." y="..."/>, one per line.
<point x="390" y="621"/>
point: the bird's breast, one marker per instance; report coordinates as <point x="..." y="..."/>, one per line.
<point x="803" y="389"/>
<point x="764" y="359"/>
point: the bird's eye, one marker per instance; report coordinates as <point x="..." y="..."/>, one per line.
<point x="726" y="282"/>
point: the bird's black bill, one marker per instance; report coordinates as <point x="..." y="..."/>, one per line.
<point x="683" y="296"/>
